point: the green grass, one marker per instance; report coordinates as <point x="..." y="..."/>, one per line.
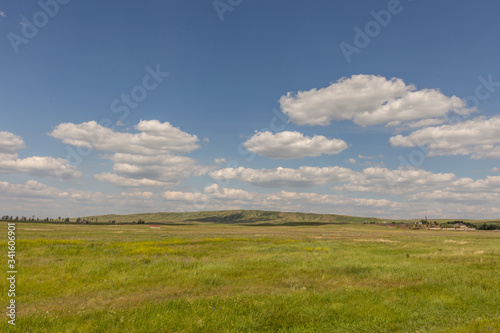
<point x="235" y="278"/>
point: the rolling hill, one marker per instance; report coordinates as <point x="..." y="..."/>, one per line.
<point x="256" y="217"/>
<point x="234" y="216"/>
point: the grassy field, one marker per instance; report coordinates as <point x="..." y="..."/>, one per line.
<point x="244" y="278"/>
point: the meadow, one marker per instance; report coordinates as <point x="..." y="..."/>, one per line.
<point x="206" y="277"/>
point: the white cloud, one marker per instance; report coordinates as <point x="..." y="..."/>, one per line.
<point x="41" y="200"/>
<point x="182" y="196"/>
<point x="370" y="100"/>
<point x="478" y="137"/>
<point x="373" y="180"/>
<point x="32" y="189"/>
<point x="351" y="161"/>
<point x="220" y="160"/>
<point x="90" y="197"/>
<point x="10" y="143"/>
<point x="489" y="184"/>
<point x="40" y="166"/>
<point x="137" y="195"/>
<point x="495" y="169"/>
<point x="217" y="196"/>
<point x="223" y="193"/>
<point x="333" y="200"/>
<point x="426" y="122"/>
<point x="147" y="158"/>
<point x="289" y="145"/>
<point x="451" y="197"/>
<point x="154" y="138"/>
<point x="382" y="180"/>
<point x="282" y="177"/>
<point x="164" y="168"/>
<point x="145" y="170"/>
<point x="365" y="157"/>
<point x="130" y="182"/>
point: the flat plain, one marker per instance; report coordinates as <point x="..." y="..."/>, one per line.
<point x="206" y="277"/>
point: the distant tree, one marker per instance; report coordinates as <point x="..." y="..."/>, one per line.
<point x="485" y="226"/>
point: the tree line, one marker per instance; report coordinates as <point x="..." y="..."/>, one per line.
<point x="33" y="218"/>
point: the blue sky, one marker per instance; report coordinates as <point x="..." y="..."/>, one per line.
<point x="372" y="108"/>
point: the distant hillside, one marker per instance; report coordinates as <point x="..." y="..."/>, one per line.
<point x="234" y="216"/>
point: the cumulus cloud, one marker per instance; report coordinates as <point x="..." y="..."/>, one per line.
<point x="217" y="195"/>
<point x="137" y="195"/>
<point x="32" y="189"/>
<point x="455" y="197"/>
<point x="130" y="182"/>
<point x="10" y="143"/>
<point x="148" y="158"/>
<point x="382" y="180"/>
<point x="289" y="145"/>
<point x="371" y="179"/>
<point x="163" y="168"/>
<point x="282" y="177"/>
<point x="478" y="137"/>
<point x="220" y="160"/>
<point x="90" y="197"/>
<point x="370" y="100"/>
<point x="40" y="166"/>
<point x="488" y="184"/>
<point x="376" y="180"/>
<point x="154" y="138"/>
<point x="182" y="196"/>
